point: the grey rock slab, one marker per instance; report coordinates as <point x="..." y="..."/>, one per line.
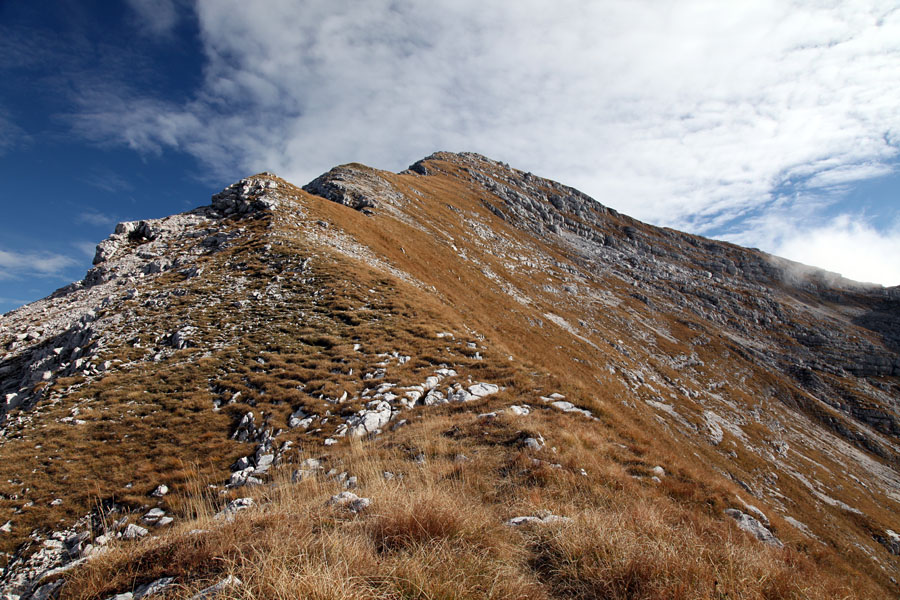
<point x="153" y="515"/>
<point x="536" y="520"/>
<point x="350" y="501"/>
<point x="460" y="395"/>
<point x="241" y="464"/>
<point x="562" y="405"/>
<point x="369" y="420"/>
<point x="234" y="507"/>
<point x="133" y="532"/>
<point x="299" y="418"/>
<point x="212" y="591"/>
<point x="434" y="397"/>
<point x="568" y="407"/>
<point x="47" y="591"/>
<point x="154" y="587"/>
<point x="753" y="526"/>
<point x="534" y="443"/>
<point x="891" y="541"/>
<point x="480" y="390"/>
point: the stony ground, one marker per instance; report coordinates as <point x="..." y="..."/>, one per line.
<point x="267" y="341"/>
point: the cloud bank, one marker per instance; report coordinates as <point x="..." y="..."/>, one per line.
<point x="695" y="115"/>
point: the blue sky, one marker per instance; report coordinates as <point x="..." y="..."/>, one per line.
<point x="772" y="124"/>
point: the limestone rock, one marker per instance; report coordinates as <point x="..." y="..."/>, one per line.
<point x="154" y="587"/>
<point x="376" y="415"/>
<point x="153" y="515"/>
<point x="350" y="501"/>
<point x="546" y="519"/>
<point x="534" y="443"/>
<point x="214" y="590"/>
<point x="753" y="526"/>
<point x="234" y="507"/>
<point x="247" y="196"/>
<point x="356" y="186"/>
<point x="133" y="532"/>
<point x="480" y="390"/>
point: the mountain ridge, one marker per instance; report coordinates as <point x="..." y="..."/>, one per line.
<point x="759" y="365"/>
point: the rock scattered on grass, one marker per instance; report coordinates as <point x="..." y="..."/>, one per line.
<point x="212" y="591"/>
<point x="534" y="442"/>
<point x="234" y="507"/>
<point x="133" y="532"/>
<point x="753" y="526"/>
<point x="153" y="515"/>
<point x="536" y="520"/>
<point x="350" y="501"/>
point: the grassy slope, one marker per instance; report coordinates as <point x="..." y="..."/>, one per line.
<point x="437" y="532"/>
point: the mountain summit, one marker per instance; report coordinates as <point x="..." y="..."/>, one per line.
<point x="462" y="380"/>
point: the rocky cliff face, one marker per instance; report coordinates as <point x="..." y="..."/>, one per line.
<point x="280" y="318"/>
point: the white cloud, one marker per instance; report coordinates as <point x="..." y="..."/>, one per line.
<point x="33" y="264"/>
<point x="685" y="114"/>
<point x="849" y="244"/>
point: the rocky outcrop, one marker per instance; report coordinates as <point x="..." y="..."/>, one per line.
<point x="356" y="186"/>
<point x="702" y="337"/>
<point x="85" y="312"/>
<point x="770" y="307"/>
<point x="248" y="196"/>
<point x="370" y="420"/>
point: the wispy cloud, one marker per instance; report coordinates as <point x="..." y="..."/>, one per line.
<point x="86" y="248"/>
<point x="158" y="17"/>
<point x="690" y="115"/>
<point x="11" y="135"/>
<point x="107" y="180"/>
<point x="92" y="217"/>
<point x="34" y="264"/>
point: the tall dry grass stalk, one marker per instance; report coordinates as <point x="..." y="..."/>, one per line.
<point x="436" y="530"/>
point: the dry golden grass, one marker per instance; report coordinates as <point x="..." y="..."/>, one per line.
<point x="438" y="532"/>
